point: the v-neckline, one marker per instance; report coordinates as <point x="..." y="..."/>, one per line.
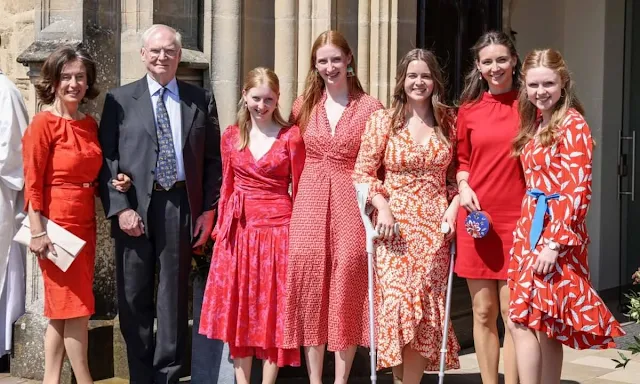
<point x="332" y="133"/>
<point x="414" y="141"/>
<point x="253" y="157"/>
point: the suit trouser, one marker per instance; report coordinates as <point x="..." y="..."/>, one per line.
<point x="167" y="247"/>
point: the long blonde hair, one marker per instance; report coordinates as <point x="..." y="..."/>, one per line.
<point x="314" y="85"/>
<point x="255" y="78"/>
<point x="552" y="59"/>
<point x="441" y="112"/>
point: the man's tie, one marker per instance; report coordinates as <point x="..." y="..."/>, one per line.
<point x="166" y="170"/>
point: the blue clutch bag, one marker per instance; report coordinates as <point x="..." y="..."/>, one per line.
<point x="478" y="224"/>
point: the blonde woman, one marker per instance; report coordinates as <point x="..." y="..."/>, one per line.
<point x="244" y="298"/>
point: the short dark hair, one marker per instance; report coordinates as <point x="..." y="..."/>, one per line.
<point x="52" y="70"/>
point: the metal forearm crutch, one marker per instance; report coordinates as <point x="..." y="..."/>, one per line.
<point x="447" y="311"/>
<point x="362" y="192"/>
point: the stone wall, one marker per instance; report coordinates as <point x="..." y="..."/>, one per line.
<point x="16" y="34"/>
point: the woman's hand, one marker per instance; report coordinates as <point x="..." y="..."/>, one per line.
<point x="385" y="223"/>
<point x="468" y="198"/>
<point x="450" y="216"/>
<point x="41" y="245"/>
<point x="121" y="183"/>
<point x="546" y="261"/>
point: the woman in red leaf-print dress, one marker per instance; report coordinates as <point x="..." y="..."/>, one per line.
<point x="552" y="301"/>
<point x="244" y="297"/>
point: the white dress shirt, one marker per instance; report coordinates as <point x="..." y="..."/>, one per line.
<point x="171" y="98"/>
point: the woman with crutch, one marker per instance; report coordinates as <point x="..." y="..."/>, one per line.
<point x="414" y="141"/>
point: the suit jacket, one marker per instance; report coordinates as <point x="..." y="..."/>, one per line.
<point x="130" y="145"/>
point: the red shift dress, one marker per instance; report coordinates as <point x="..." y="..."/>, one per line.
<point x="62" y="159"/>
<point x="486" y="130"/>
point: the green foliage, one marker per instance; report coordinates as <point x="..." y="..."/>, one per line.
<point x="634" y="314"/>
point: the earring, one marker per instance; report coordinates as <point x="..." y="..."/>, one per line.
<point x="514" y="71"/>
<point x="350" y="71"/>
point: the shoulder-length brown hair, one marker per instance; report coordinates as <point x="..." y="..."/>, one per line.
<point x="314" y="85"/>
<point x="52" y="71"/>
<point x="474" y="85"/>
<point x="256" y="77"/>
<point x="552" y="59"/>
<point x="441" y="111"/>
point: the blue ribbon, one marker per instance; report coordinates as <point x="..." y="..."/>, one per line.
<point x="542" y="207"/>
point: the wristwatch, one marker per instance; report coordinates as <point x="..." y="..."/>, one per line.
<point x="554" y="246"/>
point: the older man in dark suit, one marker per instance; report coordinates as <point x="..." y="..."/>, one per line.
<point x="164" y="134"/>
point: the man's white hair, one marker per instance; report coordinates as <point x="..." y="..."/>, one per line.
<point x="152" y="29"/>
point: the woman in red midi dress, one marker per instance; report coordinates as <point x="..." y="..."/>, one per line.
<point x="243" y="301"/>
<point x="489" y="179"/>
<point x="552" y="300"/>
<point x="327" y="274"/>
<point x="62" y="159"/>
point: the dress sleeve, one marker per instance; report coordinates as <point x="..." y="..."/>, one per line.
<point x="452" y="183"/>
<point x="569" y="211"/>
<point x="297" y="155"/>
<point x="36" y="145"/>
<point x="227" y="145"/>
<point x="463" y="143"/>
<point x="371" y="154"/>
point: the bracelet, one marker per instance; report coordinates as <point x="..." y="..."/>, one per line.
<point x="38" y="235"/>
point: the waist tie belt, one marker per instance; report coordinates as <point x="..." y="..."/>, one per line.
<point x="542" y="207"/>
<point x="81" y="185"/>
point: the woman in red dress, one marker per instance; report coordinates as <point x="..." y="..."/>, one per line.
<point x="62" y="159"/>
<point x="552" y="301"/>
<point x="327" y="275"/>
<point x="243" y="302"/>
<point x="489" y="179"/>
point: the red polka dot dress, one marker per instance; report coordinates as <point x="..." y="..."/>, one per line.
<point x="327" y="272"/>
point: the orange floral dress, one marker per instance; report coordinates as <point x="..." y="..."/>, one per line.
<point x="411" y="268"/>
<point x="62" y="159"/>
<point x="561" y="304"/>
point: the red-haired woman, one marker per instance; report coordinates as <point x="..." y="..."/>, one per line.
<point x="552" y="300"/>
<point x="327" y="275"/>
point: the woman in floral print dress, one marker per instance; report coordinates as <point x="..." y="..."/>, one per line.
<point x="414" y="141"/>
<point x="552" y="301"/>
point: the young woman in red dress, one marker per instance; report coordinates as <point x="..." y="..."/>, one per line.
<point x="243" y="305"/>
<point x="327" y="276"/>
<point x="552" y="301"/>
<point x="489" y="179"/>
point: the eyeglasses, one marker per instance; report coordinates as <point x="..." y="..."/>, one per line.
<point x="155" y="53"/>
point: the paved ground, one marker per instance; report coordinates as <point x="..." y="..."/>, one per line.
<point x="580" y="367"/>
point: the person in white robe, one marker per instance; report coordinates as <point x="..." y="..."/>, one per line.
<point x="13" y="122"/>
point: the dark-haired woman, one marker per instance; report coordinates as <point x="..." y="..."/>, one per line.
<point x="62" y="158"/>
<point x="489" y="179"/>
<point x="415" y="141"/>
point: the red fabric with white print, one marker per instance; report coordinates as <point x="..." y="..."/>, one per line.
<point x="562" y="304"/>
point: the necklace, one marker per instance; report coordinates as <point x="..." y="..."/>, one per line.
<point x="75" y="116"/>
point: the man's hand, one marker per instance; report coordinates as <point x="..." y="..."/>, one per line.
<point x="204" y="227"/>
<point x="130" y="222"/>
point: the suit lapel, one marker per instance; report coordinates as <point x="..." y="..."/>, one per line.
<point x="145" y="108"/>
<point x="187" y="110"/>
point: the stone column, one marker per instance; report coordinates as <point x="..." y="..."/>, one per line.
<point x="225" y="57"/>
<point x="305" y="40"/>
<point x="285" y="52"/>
<point x="95" y="25"/>
<point x="364" y="42"/>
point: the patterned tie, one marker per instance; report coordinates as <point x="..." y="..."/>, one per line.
<point x="166" y="170"/>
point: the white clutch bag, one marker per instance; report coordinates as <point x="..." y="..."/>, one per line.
<point x="66" y="244"/>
